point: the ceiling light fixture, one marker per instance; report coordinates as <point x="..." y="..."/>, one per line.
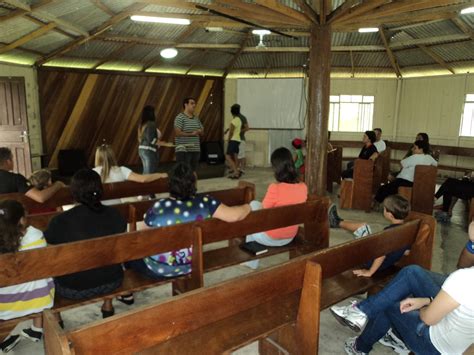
<point x="169" y="53"/>
<point x="261" y="33"/>
<point x="467" y="10"/>
<point x="368" y="29"/>
<point x="155" y="19"/>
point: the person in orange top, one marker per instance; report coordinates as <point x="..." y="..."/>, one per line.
<point x="287" y="190"/>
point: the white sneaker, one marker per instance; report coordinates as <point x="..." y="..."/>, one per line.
<point x="350" y="316"/>
<point x="363" y="231"/>
<point x="350" y="347"/>
<point x="394" y="342"/>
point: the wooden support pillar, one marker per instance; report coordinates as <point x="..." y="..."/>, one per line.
<point x="318" y="113"/>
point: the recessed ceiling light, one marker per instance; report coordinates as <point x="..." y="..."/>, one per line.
<point x="169" y="53"/>
<point x="368" y="29"/>
<point x="261" y="32"/>
<point x="468" y="10"/>
<point x="155" y="19"/>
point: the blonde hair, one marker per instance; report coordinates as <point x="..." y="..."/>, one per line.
<point x="40" y="179"/>
<point x="105" y="158"/>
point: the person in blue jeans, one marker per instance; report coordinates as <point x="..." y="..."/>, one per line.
<point x="430" y="312"/>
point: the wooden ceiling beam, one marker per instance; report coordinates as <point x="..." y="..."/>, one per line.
<point x="464" y="27"/>
<point x="391" y="56"/>
<point x="436" y="58"/>
<point x="236" y="56"/>
<point x="429" y="40"/>
<point x="399" y="7"/>
<point x="103" y="7"/>
<point x="18" y="4"/>
<point x="362" y="8"/>
<point x="177" y="4"/>
<point x="343" y="9"/>
<point x="13" y="14"/>
<point x="324" y="10"/>
<point x="115" y="54"/>
<point x="29" y="37"/>
<point x="96" y="32"/>
<point x="41" y="23"/>
<point x="308" y="11"/>
<point x="276" y="6"/>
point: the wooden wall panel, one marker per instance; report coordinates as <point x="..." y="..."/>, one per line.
<point x="81" y="110"/>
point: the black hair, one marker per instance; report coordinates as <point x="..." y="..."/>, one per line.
<point x="148" y="115"/>
<point x="425" y="137"/>
<point x="284" y="166"/>
<point x="329" y="136"/>
<point x="423" y="145"/>
<point x="5" y="154"/>
<point x="397" y="205"/>
<point x="182" y="181"/>
<point x="86" y="188"/>
<point x="378" y="129"/>
<point x="11" y="230"/>
<point x="235" y="109"/>
<point x="371" y="135"/>
<point x="186" y="101"/>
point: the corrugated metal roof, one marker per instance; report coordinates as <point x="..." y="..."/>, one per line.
<point x="201" y="36"/>
<point x="87" y="17"/>
<point x="48" y="43"/>
<point x="341" y="60"/>
<point x="95" y="49"/>
<point x="414" y="56"/>
<point x="18" y="57"/>
<point x="371" y="59"/>
<point x="70" y="62"/>
<point x="456" y="51"/>
<point x="162" y="32"/>
<point x="14" y="29"/>
<point x="440" y="28"/>
<point x="117" y="5"/>
<point x="355" y="39"/>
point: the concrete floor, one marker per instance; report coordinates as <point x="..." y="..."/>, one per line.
<point x="449" y="241"/>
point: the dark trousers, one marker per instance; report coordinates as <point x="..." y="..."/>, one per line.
<point x="391" y="189"/>
<point x="149" y="160"/>
<point x="192" y="158"/>
<point x="349" y="172"/>
<point x="463" y="189"/>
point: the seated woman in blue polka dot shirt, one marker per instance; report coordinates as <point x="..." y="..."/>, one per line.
<point x="183" y="206"/>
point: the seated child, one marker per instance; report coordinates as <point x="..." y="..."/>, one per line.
<point x="41" y="179"/>
<point x="28" y="297"/>
<point x="396" y="209"/>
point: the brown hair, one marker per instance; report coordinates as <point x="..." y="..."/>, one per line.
<point x="40" y="179"/>
<point x="105" y="158"/>
<point x="11" y="229"/>
<point x="397" y="205"/>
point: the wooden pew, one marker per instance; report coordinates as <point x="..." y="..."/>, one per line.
<point x="422" y="193"/>
<point x="111" y="191"/>
<point x="63" y="259"/>
<point x="357" y="193"/>
<point x="279" y="306"/>
<point x="334" y="168"/>
<point x="381" y="169"/>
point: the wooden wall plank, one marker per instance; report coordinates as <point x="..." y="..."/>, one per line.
<point x="79" y="112"/>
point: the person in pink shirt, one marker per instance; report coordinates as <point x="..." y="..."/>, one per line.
<point x="287" y="190"/>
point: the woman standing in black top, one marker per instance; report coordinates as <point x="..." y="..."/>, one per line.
<point x="89" y="219"/>
<point x="368" y="151"/>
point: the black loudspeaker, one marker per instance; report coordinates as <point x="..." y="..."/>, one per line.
<point x="70" y="161"/>
<point x="213" y="153"/>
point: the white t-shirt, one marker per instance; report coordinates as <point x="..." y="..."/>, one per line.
<point x="380" y="145"/>
<point x="455" y="332"/>
<point x="116" y="174"/>
<point x="409" y="164"/>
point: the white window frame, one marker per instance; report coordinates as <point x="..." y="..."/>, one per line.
<point x="366" y="104"/>
<point x="466" y="128"/>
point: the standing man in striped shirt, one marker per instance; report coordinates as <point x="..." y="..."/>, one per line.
<point x="188" y="130"/>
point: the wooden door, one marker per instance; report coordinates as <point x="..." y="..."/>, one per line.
<point x="14" y="123"/>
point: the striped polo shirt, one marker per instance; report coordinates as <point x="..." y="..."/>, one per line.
<point x="187" y="125"/>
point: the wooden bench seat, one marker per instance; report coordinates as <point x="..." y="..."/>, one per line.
<point x="279" y="306"/>
<point x="421" y="194"/>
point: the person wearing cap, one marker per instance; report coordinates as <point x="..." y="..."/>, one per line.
<point x="368" y="151"/>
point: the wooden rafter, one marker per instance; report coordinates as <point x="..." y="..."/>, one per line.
<point x="25" y="39"/>
<point x="324" y="9"/>
<point x="308" y="11"/>
<point x="360" y="9"/>
<point x="13" y="14"/>
<point x="232" y="62"/>
<point x="352" y="64"/>
<point x="343" y="9"/>
<point x="391" y="56"/>
<point x="103" y="7"/>
<point x="463" y="27"/>
<point x="429" y="40"/>
<point x="282" y="9"/>
<point x="436" y="58"/>
<point x="96" y="32"/>
<point x="115" y="54"/>
<point x="41" y="23"/>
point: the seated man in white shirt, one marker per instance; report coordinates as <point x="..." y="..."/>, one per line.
<point x="379" y="143"/>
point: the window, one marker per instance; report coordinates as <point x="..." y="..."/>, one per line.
<point x="467" y="119"/>
<point x="351" y="113"/>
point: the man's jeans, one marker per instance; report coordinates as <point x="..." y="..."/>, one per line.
<point x="383" y="310"/>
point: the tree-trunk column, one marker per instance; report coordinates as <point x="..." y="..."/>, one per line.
<point x="318" y="114"/>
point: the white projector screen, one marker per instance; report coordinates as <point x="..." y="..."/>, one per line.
<point x="273" y="103"/>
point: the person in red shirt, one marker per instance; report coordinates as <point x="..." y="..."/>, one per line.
<point x="287" y="190"/>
